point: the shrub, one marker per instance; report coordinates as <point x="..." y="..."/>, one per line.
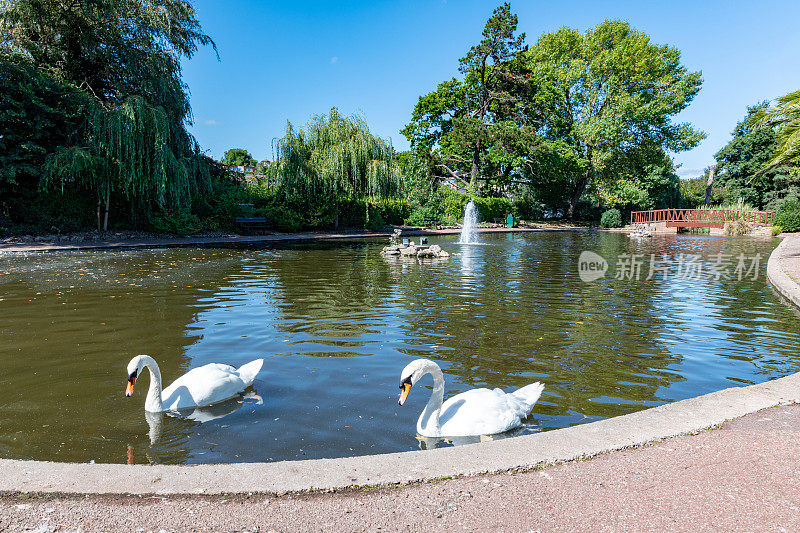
<point x="416" y="218"/>
<point x="179" y="221"/>
<point x="788" y="216"/>
<point x="738" y="227"/>
<point x="611" y="219"/>
<point x="588" y="211"/>
<point x="777" y="230"/>
<point x="353" y="213"/>
<point x="376" y="220"/>
<point x="449" y="205"/>
<point x="394" y="211"/>
<point x="491" y="208"/>
<point x="527" y="209"/>
<point x="281" y="217"/>
<point x="34" y="212"/>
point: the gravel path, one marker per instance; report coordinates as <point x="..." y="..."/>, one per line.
<point x="744" y="476"/>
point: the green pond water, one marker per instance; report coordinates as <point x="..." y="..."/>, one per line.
<point x="337" y="323"/>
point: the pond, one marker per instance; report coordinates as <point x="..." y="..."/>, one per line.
<point x="336" y="323"/>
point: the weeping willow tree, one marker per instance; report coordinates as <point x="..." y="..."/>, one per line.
<point x="333" y="159"/>
<point x="124" y="57"/>
<point x="131" y="150"/>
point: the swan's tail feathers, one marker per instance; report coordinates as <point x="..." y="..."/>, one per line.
<point x="529" y="394"/>
<point x="249" y="371"/>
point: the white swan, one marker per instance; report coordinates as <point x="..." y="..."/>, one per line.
<point x="474" y="412"/>
<point x="201" y="386"/>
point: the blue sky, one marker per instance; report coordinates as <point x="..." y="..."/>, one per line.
<point x="290" y="60"/>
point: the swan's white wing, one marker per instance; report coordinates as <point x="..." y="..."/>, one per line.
<point x="481" y="412"/>
<point x="201" y="386"/>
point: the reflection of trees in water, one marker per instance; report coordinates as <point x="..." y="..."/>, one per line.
<point x="745" y="308"/>
<point x="533" y="319"/>
<point x="74" y="321"/>
<point x="519" y="315"/>
<point x="332" y="296"/>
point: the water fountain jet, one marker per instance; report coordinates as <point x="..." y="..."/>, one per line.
<point x="468" y="233"/>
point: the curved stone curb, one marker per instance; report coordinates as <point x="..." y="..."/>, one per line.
<point x="519" y="453"/>
<point x="785" y="285"/>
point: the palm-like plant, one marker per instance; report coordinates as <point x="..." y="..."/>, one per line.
<point x="784" y="117"/>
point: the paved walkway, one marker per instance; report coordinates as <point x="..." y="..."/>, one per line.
<point x="744" y="476"/>
<point x="790" y="257"/>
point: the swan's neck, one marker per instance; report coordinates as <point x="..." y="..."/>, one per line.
<point x="153" y="401"/>
<point x="428" y="422"/>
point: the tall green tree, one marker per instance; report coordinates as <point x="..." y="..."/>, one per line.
<point x="486" y="65"/>
<point x="124" y="55"/>
<point x="462" y="120"/>
<point x="335" y="158"/>
<point x="744" y="165"/>
<point x="238" y="157"/>
<point x="611" y="92"/>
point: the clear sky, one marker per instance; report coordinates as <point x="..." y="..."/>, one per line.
<point x="290" y="60"/>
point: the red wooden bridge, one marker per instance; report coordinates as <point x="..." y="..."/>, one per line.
<point x="701" y="218"/>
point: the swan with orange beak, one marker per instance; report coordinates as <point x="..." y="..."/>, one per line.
<point x="199" y="387"/>
<point x="474" y="412"/>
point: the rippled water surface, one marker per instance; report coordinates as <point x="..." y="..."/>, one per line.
<point x="336" y="324"/>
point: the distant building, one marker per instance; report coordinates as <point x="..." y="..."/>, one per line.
<point x="241" y="169"/>
<point x="247" y="173"/>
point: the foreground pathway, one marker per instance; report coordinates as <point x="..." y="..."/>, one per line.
<point x="744" y="476"/>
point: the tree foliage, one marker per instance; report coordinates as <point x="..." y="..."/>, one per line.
<point x="37" y="115"/>
<point x="647" y="182"/>
<point x="335" y="158"/>
<point x="238" y="157"/>
<point x="573" y="114"/>
<point x="462" y="120"/>
<point x="124" y="57"/>
<point x="611" y="94"/>
<point x="111" y="48"/>
<point x="745" y="165"/>
<point x="784" y="119"/>
<point x="693" y="191"/>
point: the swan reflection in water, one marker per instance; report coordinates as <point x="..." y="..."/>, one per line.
<point x="430" y="443"/>
<point x="199" y="414"/>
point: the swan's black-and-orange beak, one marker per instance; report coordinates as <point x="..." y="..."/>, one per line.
<point x="405" y="388"/>
<point x="131" y="383"/>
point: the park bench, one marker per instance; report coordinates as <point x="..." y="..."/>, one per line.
<point x="430" y="221"/>
<point x="249" y="224"/>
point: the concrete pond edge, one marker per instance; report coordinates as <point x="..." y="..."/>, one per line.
<point x="781" y="281"/>
<point x="514" y="454"/>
